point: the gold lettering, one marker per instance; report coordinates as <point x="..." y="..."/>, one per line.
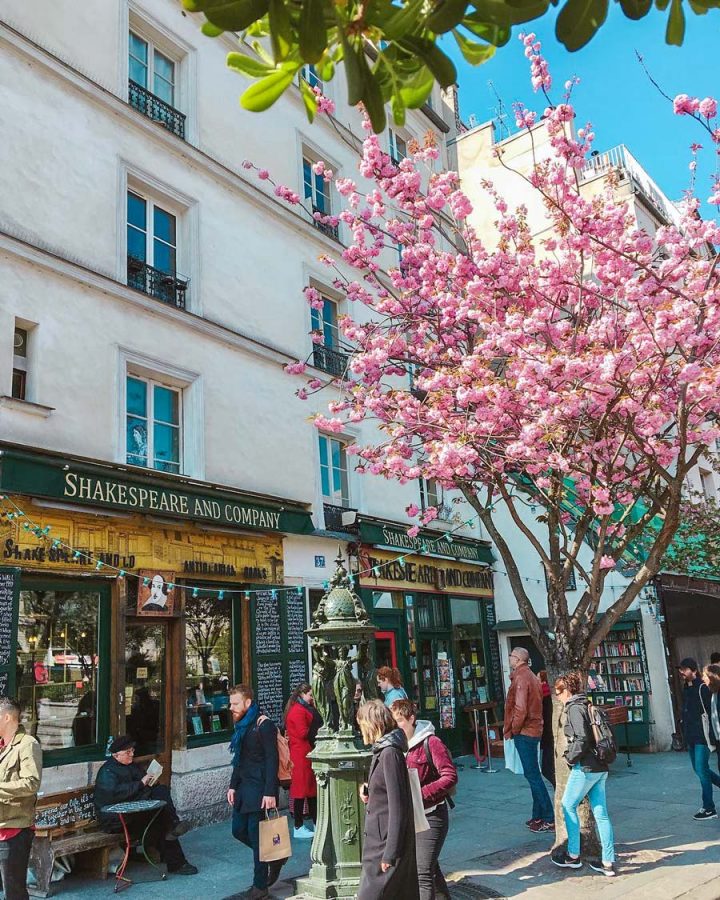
<point x="164" y="501"/>
<point x="70" y="484"/>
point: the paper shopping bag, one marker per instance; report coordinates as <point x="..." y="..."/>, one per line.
<point x="512" y="757"/>
<point x="274" y="837"/>
<point x="421" y="822"/>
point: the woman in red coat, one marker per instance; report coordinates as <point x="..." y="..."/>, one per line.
<point x="302" y="722"/>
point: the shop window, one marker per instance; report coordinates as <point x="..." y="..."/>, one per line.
<point x="59" y="683"/>
<point x="209" y="670"/>
<point x="431" y="612"/>
<point x="387" y="600"/>
<point x="153" y="417"/>
<point x="469" y="650"/>
<point x="146" y="681"/>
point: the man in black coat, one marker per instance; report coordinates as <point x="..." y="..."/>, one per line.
<point x="120" y="780"/>
<point x="254" y="782"/>
<point x="696" y="702"/>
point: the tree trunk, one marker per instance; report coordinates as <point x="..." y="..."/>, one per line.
<point x="589" y="840"/>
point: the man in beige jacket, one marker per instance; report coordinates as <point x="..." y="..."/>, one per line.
<point x="20" y="773"/>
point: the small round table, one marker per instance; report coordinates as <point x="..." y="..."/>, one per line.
<point x="125" y="809"/>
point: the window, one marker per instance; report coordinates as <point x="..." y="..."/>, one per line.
<point x="152" y="424"/>
<point x="208" y="664"/>
<point x="431" y="612"/>
<point x="316" y="192"/>
<point x="59" y="656"/>
<point x="20" y="361"/>
<point x="327" y="356"/>
<point x="333" y="471"/>
<point x="309" y="74"/>
<point x="433" y="494"/>
<point x="708" y="484"/>
<point x="398" y="146"/>
<point x="152" y="251"/>
<point x="151" y="69"/>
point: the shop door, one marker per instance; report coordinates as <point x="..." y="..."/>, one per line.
<point x="386" y="649"/>
<point x="148" y="706"/>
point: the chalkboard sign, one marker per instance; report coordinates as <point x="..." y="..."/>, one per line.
<point x="297" y="671"/>
<point x="66" y="810"/>
<point x="267" y="624"/>
<point x="269" y="678"/>
<point x="9" y="602"/>
<point x="295" y="612"/>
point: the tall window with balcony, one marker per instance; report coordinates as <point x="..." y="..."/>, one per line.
<point x="152" y="86"/>
<point x="432" y="494"/>
<point x="327" y="355"/>
<point x="152" y="251"/>
<point x="153" y="425"/>
<point x="397" y="145"/>
<point x="317" y="196"/>
<point x="333" y="480"/>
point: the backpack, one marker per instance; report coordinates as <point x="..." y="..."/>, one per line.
<point x="285" y="764"/>
<point x="605" y="746"/>
<point x="428" y="756"/>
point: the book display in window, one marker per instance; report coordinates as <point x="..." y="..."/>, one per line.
<point x="619" y="677"/>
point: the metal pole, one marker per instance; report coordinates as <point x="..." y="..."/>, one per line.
<point x="489" y="770"/>
<point x="477" y="741"/>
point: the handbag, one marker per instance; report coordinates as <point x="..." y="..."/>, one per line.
<point x="512" y="757"/>
<point x="705" y="719"/>
<point x="274" y="837"/>
<point x="421" y="822"/>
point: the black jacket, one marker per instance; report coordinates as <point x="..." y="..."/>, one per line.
<point x="117" y="783"/>
<point x="256" y="775"/>
<point x="580" y="738"/>
<point x="694" y="696"/>
<point x="389" y="825"/>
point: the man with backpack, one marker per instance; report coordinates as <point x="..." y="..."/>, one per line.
<point x="698" y="733"/>
<point x="590" y="750"/>
<point x="254" y="782"/>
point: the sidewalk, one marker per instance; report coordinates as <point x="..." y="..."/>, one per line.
<point x="663" y="852"/>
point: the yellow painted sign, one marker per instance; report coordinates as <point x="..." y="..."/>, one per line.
<point x="384" y="571"/>
<point x="132" y="543"/>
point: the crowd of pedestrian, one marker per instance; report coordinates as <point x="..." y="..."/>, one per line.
<point x="409" y="792"/>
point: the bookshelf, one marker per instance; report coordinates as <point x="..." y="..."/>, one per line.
<point x="619" y="677"/>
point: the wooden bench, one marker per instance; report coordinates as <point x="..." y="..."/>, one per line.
<point x="66" y="824"/>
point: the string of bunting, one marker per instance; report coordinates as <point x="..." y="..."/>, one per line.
<point x="43" y="534"/>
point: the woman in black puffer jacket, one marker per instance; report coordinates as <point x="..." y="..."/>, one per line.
<point x="587" y="777"/>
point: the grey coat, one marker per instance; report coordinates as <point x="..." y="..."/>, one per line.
<point x="389" y="825"/>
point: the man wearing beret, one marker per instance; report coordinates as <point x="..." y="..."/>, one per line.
<point x="121" y="780"/>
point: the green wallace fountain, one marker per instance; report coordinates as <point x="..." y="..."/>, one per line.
<point x="340" y="637"/>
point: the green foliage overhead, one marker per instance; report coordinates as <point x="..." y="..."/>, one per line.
<point x="390" y="49"/>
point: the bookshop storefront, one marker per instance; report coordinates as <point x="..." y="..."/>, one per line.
<point x="131" y="603"/>
<point x="433" y="615"/>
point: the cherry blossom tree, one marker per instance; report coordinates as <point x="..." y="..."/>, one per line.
<point x="577" y="371"/>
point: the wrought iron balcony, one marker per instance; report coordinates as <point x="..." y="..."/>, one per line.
<point x="156" y="109"/>
<point x="332" y="231"/>
<point x="166" y="286"/>
<point x="333" y="518"/>
<point x="331" y="361"/>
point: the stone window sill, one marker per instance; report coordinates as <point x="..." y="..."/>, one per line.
<point x="33" y="409"/>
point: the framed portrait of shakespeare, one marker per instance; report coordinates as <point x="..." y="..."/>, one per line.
<point x="157" y="593"/>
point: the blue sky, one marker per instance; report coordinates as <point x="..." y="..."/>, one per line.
<point x="614" y="93"/>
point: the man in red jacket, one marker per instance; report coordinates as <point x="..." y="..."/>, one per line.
<point x="524" y="724"/>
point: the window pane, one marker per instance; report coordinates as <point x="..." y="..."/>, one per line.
<point x="138" y="60"/>
<point x="208" y="664"/>
<point x="164" y="226"/>
<point x="137" y="441"/>
<point x="136" y="243"/>
<point x="136" y="396"/>
<point x="164" y="257"/>
<point x="136" y="211"/>
<point x="323" y="450"/>
<point x="57" y="664"/>
<point x="307" y="178"/>
<point x="166" y="445"/>
<point x="325" y="482"/>
<point x="164" y="80"/>
<point x="315" y="319"/>
<point x="145" y="683"/>
<point x="321" y="198"/>
<point x="166" y="405"/>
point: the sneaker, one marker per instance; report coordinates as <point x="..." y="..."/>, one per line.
<point x="606" y="868"/>
<point x="705" y="814"/>
<point x="540" y="825"/>
<point x="303" y="833"/>
<point x="547" y="826"/>
<point x="274" y="870"/>
<point x="562" y="859"/>
<point x="185" y="869"/>
<point x="531" y="822"/>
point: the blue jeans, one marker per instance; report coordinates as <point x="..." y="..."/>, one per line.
<point x="527" y="748"/>
<point x="700" y="758"/>
<point x="592" y="785"/>
<point x="246" y="829"/>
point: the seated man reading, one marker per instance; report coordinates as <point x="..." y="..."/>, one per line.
<point x="120" y="780"/>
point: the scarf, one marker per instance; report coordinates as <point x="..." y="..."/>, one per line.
<point x="715" y="718"/>
<point x="241" y="728"/>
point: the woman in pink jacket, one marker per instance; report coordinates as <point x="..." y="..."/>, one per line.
<point x="438" y="777"/>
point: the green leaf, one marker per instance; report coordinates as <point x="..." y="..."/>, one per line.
<point x="495" y="12"/>
<point x="446" y="15"/>
<point x="401" y="21"/>
<point x="474" y="53"/>
<point x="234" y="16"/>
<point x="309" y="99"/>
<point x="416" y="91"/>
<point x="636" y="9"/>
<point x="578" y="22"/>
<point x="676" y="24"/>
<point x="326" y="69"/>
<point x="263" y="54"/>
<point x="249" y="66"/>
<point x="662" y="5"/>
<point x="498" y="35"/>
<point x="210" y="30"/>
<point x="373" y="100"/>
<point x="353" y="71"/>
<point x="312" y="30"/>
<point x="526" y="10"/>
<point x="281" y="36"/>
<point x="439" y="64"/>
<point x="398" y="109"/>
<point x="261" y="95"/>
